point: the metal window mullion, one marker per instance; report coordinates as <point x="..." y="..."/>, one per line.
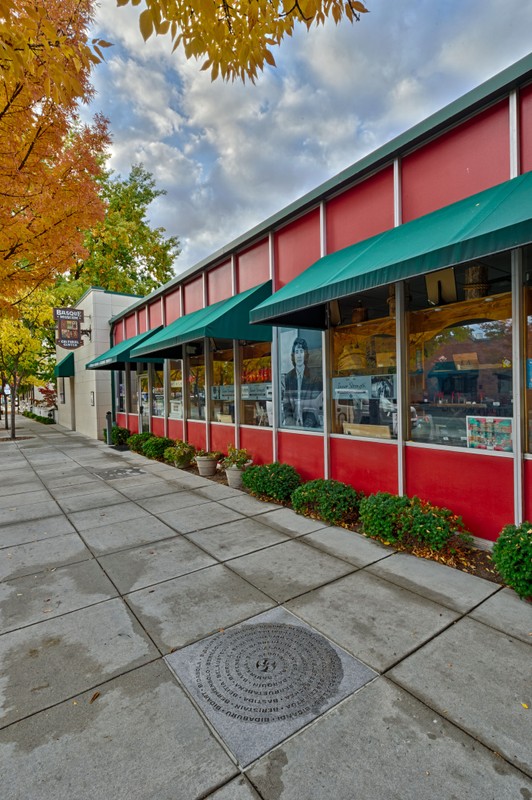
<point x="401" y="365"/>
<point x="326" y="360"/>
<point x="166" y="393"/>
<point x="207" y="363"/>
<point x="275" y="391"/>
<point x="236" y="389"/>
<point x="518" y="362"/>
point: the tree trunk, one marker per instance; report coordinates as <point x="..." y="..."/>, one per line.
<point x="13" y="398"/>
<point x="6" y="415"/>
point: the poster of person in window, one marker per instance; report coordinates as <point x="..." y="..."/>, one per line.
<point x="302" y="384"/>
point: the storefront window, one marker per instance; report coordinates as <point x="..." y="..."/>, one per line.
<point x="527" y="271"/>
<point x="120" y="377"/>
<point x="157" y="392"/>
<point x="364" y="385"/>
<point x="301" y="382"/>
<point x="175" y="390"/>
<point x="132" y="391"/>
<point x="223" y="382"/>
<point x="61" y="390"/>
<point x="460" y="356"/>
<point x="196" y="381"/>
<point x="256" y="384"/>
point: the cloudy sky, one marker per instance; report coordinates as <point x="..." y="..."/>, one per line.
<point x="230" y="155"/>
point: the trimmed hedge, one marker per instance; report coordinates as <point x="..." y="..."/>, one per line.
<point x="512" y="554"/>
<point x="37" y="418"/>
<point x="272" y="481"/>
<point x="136" y="441"/>
<point x="332" y="501"/>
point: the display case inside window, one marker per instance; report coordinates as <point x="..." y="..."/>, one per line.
<point x="175" y="389"/>
<point x="223" y="382"/>
<point x="301" y="379"/>
<point x="196" y="380"/>
<point x="460" y="356"/>
<point x="364" y="384"/>
<point x="157" y="392"/>
<point x="120" y="387"/>
<point x="256" y="406"/>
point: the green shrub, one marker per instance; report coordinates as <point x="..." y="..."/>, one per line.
<point x="180" y="453"/>
<point x="119" y="436"/>
<point x="136" y="441"/>
<point x="432" y="525"/>
<point x="380" y="516"/>
<point x="410" y="520"/>
<point x="512" y="554"/>
<point x="273" y="481"/>
<point x="38" y="418"/>
<point x="329" y="500"/>
<point x="155" y="446"/>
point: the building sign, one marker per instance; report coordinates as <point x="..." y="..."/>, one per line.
<point x="68" y="327"/>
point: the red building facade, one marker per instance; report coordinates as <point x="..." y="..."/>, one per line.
<point x="421" y="385"/>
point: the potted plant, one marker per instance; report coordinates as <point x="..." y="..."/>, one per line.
<point x="234" y="463"/>
<point x="207" y="463"/>
<point x="180" y="454"/>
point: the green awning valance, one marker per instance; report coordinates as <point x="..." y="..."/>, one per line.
<point x="497" y="219"/>
<point x="227" y="319"/>
<point x="120" y="354"/>
<point x="65" y="368"/>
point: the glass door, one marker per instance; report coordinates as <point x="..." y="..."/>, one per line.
<point x="144" y="402"/>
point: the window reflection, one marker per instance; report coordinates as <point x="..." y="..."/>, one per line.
<point x="196" y="382"/>
<point x="223" y="382"/>
<point x="364" y="386"/>
<point x="460" y="363"/>
<point x="256" y="384"/>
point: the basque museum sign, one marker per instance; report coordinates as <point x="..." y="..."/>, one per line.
<point x="68" y="327"/>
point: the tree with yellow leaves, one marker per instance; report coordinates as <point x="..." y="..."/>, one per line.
<point x="236" y="38"/>
<point x="48" y="160"/>
<point x="22" y="356"/>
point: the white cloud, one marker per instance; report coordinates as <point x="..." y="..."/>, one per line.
<point x="229" y="155"/>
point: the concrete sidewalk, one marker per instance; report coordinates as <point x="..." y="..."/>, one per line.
<point x="124" y="584"/>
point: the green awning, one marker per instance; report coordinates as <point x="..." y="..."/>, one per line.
<point x="227" y="319"/>
<point x="119" y="355"/>
<point x="497" y="219"/>
<point x="65" y="368"/>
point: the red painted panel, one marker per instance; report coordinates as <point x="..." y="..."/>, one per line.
<point x="297" y="246"/>
<point x="157" y="426"/>
<point x="132" y="423"/>
<point x="143" y="320"/>
<point x="259" y="442"/>
<point x="196" y="434"/>
<point x="467" y="159"/>
<point x="526" y="129"/>
<point x="156" y="314"/>
<point x="219" y="283"/>
<point x="221" y="436"/>
<point x="478" y="487"/>
<point x="131" y="326"/>
<point x="367" y="466"/>
<point x="121" y="420"/>
<point x="172" y="305"/>
<point x="305" y="453"/>
<point x="193" y="295"/>
<point x="253" y="267"/>
<point x="360" y="212"/>
<point x="527" y="489"/>
<point x="118" y="333"/>
<point x="175" y="429"/>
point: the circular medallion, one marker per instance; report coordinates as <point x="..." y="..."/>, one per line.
<point x="268" y="672"/>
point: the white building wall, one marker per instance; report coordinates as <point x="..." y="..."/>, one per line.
<point x="88" y="394"/>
